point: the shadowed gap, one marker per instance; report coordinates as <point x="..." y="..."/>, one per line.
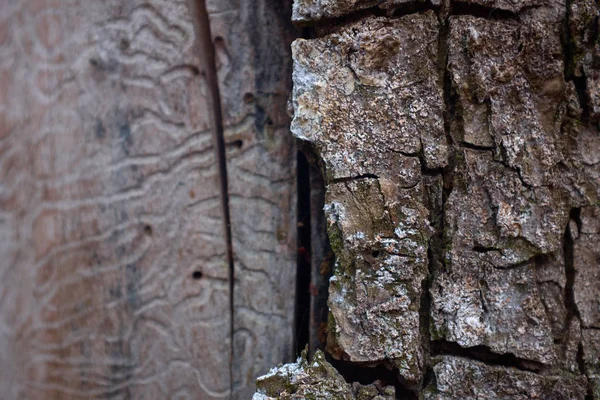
<point x="322" y="261"/>
<point x="303" y="273"/>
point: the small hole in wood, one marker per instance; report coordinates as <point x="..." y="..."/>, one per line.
<point x="197" y="275"/>
<point x="124" y="44"/>
<point x="248" y="98"/>
<point x="148" y="230"/>
<point x="237" y="143"/>
<point x="195" y="70"/>
<point x="375" y="253"/>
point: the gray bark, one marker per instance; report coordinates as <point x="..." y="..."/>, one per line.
<point x="460" y="150"/>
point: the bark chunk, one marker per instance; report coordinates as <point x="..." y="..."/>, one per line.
<point x="305" y="11"/>
<point x="369" y="100"/>
<point x="316" y="379"/>
<point x="461" y="378"/>
<point x="511" y="193"/>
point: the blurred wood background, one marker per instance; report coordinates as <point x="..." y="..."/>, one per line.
<point x="131" y="132"/>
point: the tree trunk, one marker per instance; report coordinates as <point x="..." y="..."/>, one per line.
<point x="460" y="151"/>
<point x="152" y="206"/>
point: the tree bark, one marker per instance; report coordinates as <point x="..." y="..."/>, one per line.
<point x="460" y="148"/>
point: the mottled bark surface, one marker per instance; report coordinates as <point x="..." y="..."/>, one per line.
<point x="460" y="149"/>
<point x="316" y="379"/>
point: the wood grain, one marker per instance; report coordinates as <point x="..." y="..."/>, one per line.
<point x="252" y="41"/>
<point x="113" y="272"/>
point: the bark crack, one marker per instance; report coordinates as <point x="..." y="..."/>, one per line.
<point x="568" y="247"/>
<point x="367" y="374"/>
<point x="486" y="355"/>
<point x="346" y="179"/>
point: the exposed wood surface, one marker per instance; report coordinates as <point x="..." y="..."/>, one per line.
<point x="252" y="40"/>
<point x="112" y="255"/>
<point x="114" y="266"/>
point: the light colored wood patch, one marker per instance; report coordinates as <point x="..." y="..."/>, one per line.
<point x="109" y="202"/>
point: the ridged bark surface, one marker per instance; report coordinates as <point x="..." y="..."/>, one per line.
<point x="460" y="150"/>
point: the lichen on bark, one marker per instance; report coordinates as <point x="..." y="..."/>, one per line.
<point x="515" y="182"/>
<point x="461" y="160"/>
<point x="315" y="379"/>
<point x="369" y="101"/>
<point x="460" y="378"/>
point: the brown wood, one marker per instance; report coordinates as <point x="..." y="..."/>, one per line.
<point x="113" y="264"/>
<point x="252" y="41"/>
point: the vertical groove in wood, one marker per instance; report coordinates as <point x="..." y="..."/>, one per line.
<point x="252" y="42"/>
<point x="208" y="52"/>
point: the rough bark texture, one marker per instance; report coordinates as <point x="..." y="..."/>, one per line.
<point x="316" y="379"/>
<point x="350" y="104"/>
<point x="460" y="150"/>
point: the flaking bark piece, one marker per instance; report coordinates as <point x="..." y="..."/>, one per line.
<point x="316" y="379"/>
<point x="368" y="99"/>
<point x="515" y="182"/>
<point x="464" y="379"/>
<point x="306" y="11"/>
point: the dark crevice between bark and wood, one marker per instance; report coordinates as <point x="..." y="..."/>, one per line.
<point x="481" y="11"/>
<point x="207" y="51"/>
<point x="472" y="146"/>
<point x="309" y="244"/>
<point x="580" y="82"/>
<point x="366" y="375"/>
<point x="322" y="261"/>
<point x="485" y="355"/>
<point x="308" y="32"/>
<point x="315" y="256"/>
<point x="569" y="295"/>
<point x="303" y="272"/>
